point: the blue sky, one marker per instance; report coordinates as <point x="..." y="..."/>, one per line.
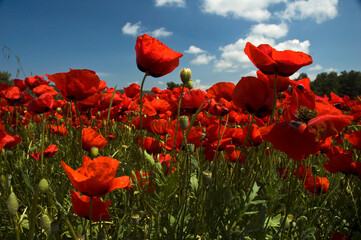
<point x="52" y="36"/>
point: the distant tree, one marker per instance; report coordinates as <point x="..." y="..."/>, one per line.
<point x="5" y="77"/>
<point x="171" y="85"/>
<point x="301" y="76"/>
<point x="346" y="83"/>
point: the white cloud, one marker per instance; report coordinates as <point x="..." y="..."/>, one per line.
<point x="294" y="45"/>
<point x="320" y="10"/>
<point x="160" y="82"/>
<point x="317" y="67"/>
<point x="177" y="3"/>
<point x="194" y="50"/>
<point x="131" y="29"/>
<point x="197" y="85"/>
<point x="202" y="59"/>
<point x="255" y="10"/>
<point x="161" y="32"/>
<point x="270" y="30"/>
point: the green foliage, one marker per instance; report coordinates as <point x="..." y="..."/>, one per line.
<point x="345" y="83"/>
<point x="5" y="77"/>
<point x="171" y="85"/>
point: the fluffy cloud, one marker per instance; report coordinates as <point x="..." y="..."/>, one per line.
<point x="136" y="29"/>
<point x="131" y="29"/>
<point x="317" y="67"/>
<point x="198" y="85"/>
<point x="194" y="50"/>
<point x="320" y="10"/>
<point x="161" y="32"/>
<point x="270" y="30"/>
<point x="202" y="59"/>
<point x="248" y="9"/>
<point x="177" y="3"/>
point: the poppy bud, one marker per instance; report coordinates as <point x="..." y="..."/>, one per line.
<point x="203" y="136"/>
<point x="13" y="204"/>
<point x="58" y="110"/>
<point x="185" y="75"/>
<point x="183" y="120"/>
<point x="45" y="223"/>
<point x="190" y="84"/>
<point x="98" y="115"/>
<point x="61" y="121"/>
<point x="43" y="185"/>
<point x="94" y="151"/>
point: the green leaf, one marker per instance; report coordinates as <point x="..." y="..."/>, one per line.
<point x="309" y="233"/>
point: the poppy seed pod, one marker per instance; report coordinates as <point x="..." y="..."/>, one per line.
<point x="185" y="75"/>
<point x="45" y="223"/>
<point x="207" y="176"/>
<point x="43" y="185"/>
<point x="13" y="204"/>
<point x="94" y="151"/>
<point x="183" y="121"/>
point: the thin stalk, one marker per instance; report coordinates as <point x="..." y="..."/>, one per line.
<point x="42" y="147"/>
<point x="90" y="217"/>
<point x="177" y="124"/>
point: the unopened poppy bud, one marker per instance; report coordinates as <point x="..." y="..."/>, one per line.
<point x="98" y="114"/>
<point x="203" y="136"/>
<point x="61" y="121"/>
<point x="185" y="75"/>
<point x="45" y="223"/>
<point x="13" y="204"/>
<point x="58" y="110"/>
<point x="183" y="121"/>
<point x="94" y="151"/>
<point x="207" y="176"/>
<point x="43" y="185"/>
<point x="190" y="84"/>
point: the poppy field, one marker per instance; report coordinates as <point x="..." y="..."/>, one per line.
<point x="265" y="158"/>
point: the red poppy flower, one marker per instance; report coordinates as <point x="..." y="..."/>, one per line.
<point x="96" y="177"/>
<point x="355" y="139"/>
<point x="59" y="130"/>
<point x="91" y="138"/>
<point x="254" y="95"/>
<point x="8" y="140"/>
<point x="20" y="84"/>
<point x="291" y="138"/>
<point x="35" y="81"/>
<point x="41" y="89"/>
<point x="155" y="57"/>
<point x="12" y="94"/>
<point x="282" y="82"/>
<point x="316" y="185"/>
<point x="221" y="90"/>
<point x="270" y="61"/>
<point x="151" y="145"/>
<point x="192" y="100"/>
<point x="81" y="207"/>
<point x="341" y="163"/>
<point x="219" y="108"/>
<point x="132" y="90"/>
<point x="325" y="126"/>
<point x="48" y="152"/>
<point x="42" y="104"/>
<point x="77" y="84"/>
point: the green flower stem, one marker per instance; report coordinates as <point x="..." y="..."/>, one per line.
<point x="110" y="105"/>
<point x="32" y="216"/>
<point x="141" y="124"/>
<point x="71" y="229"/>
<point x="42" y="147"/>
<point x="177" y="124"/>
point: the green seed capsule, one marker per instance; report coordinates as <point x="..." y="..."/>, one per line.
<point x="94" y="151"/>
<point x="43" y="185"/>
<point x="185" y="75"/>
<point x="13" y="204"/>
<point x="183" y="121"/>
<point x="45" y="223"/>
